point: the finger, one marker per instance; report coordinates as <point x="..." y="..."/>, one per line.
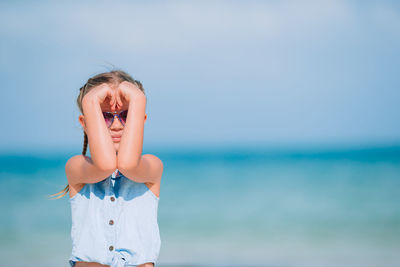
<point x="114" y="102"/>
<point x="119" y="98"/>
<point x="120" y="101"/>
<point x="116" y="99"/>
<point x="112" y="106"/>
<point x="102" y="94"/>
<point x="111" y="95"/>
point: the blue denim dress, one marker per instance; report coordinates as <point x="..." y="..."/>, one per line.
<point x="114" y="222"/>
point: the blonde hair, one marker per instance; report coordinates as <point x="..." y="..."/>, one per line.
<point x="113" y="77"/>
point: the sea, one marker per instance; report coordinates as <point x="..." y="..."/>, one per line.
<point x="235" y="206"/>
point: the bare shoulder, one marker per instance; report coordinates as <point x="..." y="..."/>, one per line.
<point x="73" y="163"/>
<point x="77" y="159"/>
<point x="155" y="161"/>
<point x="157" y="164"/>
<point x="70" y="167"/>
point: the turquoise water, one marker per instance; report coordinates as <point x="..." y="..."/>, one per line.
<point x="232" y="207"/>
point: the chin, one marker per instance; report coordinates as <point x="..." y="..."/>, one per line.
<point x="116" y="146"/>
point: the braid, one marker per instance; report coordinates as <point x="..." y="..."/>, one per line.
<point x="81" y="95"/>
<point x="61" y="193"/>
<point x="85" y="143"/>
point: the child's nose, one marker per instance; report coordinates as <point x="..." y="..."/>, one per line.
<point x="116" y="123"/>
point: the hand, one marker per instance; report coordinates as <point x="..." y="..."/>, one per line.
<point x="102" y="93"/>
<point x="128" y="91"/>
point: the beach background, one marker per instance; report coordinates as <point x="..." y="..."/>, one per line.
<point x="231" y="207"/>
<point x="277" y="123"/>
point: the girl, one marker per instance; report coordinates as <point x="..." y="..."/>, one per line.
<point x="114" y="193"/>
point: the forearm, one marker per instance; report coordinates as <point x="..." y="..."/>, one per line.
<point x="101" y="146"/>
<point x="130" y="149"/>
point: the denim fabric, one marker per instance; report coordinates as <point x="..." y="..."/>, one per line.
<point x="123" y="232"/>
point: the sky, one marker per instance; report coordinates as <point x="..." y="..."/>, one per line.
<point x="260" y="73"/>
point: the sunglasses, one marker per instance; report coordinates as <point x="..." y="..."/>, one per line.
<point x="109" y="117"/>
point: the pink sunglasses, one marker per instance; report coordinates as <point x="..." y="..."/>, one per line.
<point x="109" y="117"/>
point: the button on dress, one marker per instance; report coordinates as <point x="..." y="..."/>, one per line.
<point x="114" y="222"/>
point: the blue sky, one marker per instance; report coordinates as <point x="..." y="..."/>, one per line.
<point x="215" y="72"/>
